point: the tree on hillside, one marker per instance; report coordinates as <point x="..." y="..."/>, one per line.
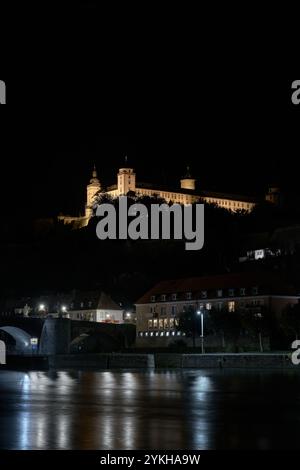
<point x="290" y="321"/>
<point x="257" y="323"/>
<point x="189" y="323"/>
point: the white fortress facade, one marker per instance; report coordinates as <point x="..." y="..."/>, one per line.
<point x="185" y="193"/>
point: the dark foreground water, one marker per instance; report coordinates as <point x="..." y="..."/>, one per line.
<point x="150" y="410"/>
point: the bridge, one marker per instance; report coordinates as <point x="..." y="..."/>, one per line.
<point x="51" y="336"/>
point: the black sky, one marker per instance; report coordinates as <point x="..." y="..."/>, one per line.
<point x="240" y="144"/>
<point x="87" y="96"/>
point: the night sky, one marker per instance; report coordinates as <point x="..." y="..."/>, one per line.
<point x="89" y="98"/>
<point x="234" y="147"/>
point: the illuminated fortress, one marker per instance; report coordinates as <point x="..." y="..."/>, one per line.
<point x="186" y="193"/>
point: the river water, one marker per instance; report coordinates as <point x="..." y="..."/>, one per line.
<point x="196" y="409"/>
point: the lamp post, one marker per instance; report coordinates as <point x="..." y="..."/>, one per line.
<point x="201" y="314"/>
<point x="42" y="309"/>
<point x="63" y="311"/>
<point x="128" y="316"/>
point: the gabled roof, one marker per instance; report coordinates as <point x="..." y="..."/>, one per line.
<point x="107" y="303"/>
<point x="267" y="282"/>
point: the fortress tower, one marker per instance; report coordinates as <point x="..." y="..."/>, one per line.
<point x="187" y="182"/>
<point x="273" y="195"/>
<point x="126" y="180"/>
<point x="93" y="188"/>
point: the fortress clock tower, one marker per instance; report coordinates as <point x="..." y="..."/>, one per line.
<point x="92" y="189"/>
<point x="126" y="180"/>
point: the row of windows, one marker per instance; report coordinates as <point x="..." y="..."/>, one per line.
<point x="181" y="198"/>
<point x="155" y="334"/>
<point x="73" y="306"/>
<point x="224" y="203"/>
<point x="83" y="316"/>
<point x="231" y="307"/>
<point x="174" y="309"/>
<point x="162" y="323"/>
<point x="220" y="293"/>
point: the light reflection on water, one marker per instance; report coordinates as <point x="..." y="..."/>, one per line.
<point x="149" y="410"/>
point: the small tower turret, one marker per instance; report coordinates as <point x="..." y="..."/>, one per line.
<point x="273" y="195"/>
<point x="126" y="180"/>
<point x="187" y="182"/>
<point x="93" y="188"/>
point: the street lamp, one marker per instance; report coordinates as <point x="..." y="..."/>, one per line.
<point x="42" y="309"/>
<point x="200" y="313"/>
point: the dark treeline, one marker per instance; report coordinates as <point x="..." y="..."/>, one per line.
<point x="40" y="255"/>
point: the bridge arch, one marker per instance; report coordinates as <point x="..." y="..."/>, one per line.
<point x="21" y="337"/>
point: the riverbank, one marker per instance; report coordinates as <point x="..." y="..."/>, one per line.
<point x="153" y="361"/>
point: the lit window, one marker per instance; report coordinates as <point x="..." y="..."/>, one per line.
<point x="167" y="333"/>
<point x="231" y="306"/>
<point x="208" y="306"/>
<point x="155" y="323"/>
<point x="161" y="323"/>
<point x="171" y="322"/>
<point x="162" y="333"/>
<point x="166" y="323"/>
<point x="150" y="324"/>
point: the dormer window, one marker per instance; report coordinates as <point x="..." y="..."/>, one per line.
<point x="204" y="294"/>
<point x="152" y="298"/>
<point x="219" y="293"/>
<point x="255" y="290"/>
<point x="231" y="292"/>
<point x="243" y="291"/>
<point x="174" y="296"/>
<point x="189" y="296"/>
<point x="81" y="304"/>
<point x="163" y="298"/>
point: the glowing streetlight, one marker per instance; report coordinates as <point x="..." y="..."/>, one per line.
<point x="42" y="308"/>
<point x="63" y="308"/>
<point x="200" y="313"/>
